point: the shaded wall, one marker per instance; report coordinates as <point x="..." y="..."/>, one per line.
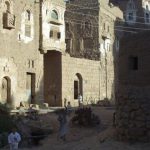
<point x="132" y="97"/>
<point x="52" y="78"/>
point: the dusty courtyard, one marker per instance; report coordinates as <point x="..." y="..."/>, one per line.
<point x="79" y="138"/>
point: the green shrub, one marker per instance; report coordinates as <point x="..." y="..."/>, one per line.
<point x="6" y="123"/>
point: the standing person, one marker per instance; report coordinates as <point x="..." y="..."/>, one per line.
<point x="65" y="102"/>
<point x="14" y="139"/>
<point x="80" y="100"/>
<point x="63" y="125"/>
<point x="69" y="108"/>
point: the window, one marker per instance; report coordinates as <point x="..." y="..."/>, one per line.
<point x="28" y="30"/>
<point x="46" y="11"/>
<point x="107" y="28"/>
<point x="130" y="15"/>
<point x="58" y="35"/>
<point x="7" y="5"/>
<point x="131" y="5"/>
<point x="28" y="63"/>
<point x="147" y="7"/>
<point x="32" y="63"/>
<point x="87" y="29"/>
<point x="87" y="25"/>
<point x="28" y="15"/>
<point x="108" y="47"/>
<point x="54" y="14"/>
<point x="76" y="89"/>
<point x="147" y="17"/>
<point x="104" y="26"/>
<point x="67" y="27"/>
<point x="51" y="34"/>
<point x="117" y="43"/>
<point x="133" y="63"/>
<point x="19" y="37"/>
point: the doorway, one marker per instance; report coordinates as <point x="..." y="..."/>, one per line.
<point x="6" y="90"/>
<point x="78" y="86"/>
<point x="53" y="78"/>
<point x="30" y="87"/>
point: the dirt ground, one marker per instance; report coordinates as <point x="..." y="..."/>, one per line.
<point x="79" y="138"/>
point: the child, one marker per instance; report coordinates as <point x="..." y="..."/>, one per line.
<point x="69" y="108"/>
<point x="13" y="139"/>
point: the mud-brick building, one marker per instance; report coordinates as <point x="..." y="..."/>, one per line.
<point x="133" y="97"/>
<point x="136" y="12"/>
<point x="132" y="91"/>
<point x="21" y="64"/>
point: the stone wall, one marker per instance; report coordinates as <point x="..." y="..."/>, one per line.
<point x="133" y="113"/>
<point x="132" y="95"/>
<point x="108" y="49"/>
<point x="82" y="29"/>
<point x="93" y="87"/>
<point x="19" y="53"/>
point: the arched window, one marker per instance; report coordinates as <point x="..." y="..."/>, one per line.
<point x="87" y="28"/>
<point x="28" y="15"/>
<point x="54" y="14"/>
<point x="28" y="18"/>
<point x="78" y="86"/>
<point x="7" y="5"/>
<point x="6" y="90"/>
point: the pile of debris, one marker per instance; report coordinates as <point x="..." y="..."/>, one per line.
<point x="104" y="103"/>
<point x="85" y="117"/>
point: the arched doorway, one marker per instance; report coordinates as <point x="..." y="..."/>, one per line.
<point x="6" y="90"/>
<point x="78" y="86"/>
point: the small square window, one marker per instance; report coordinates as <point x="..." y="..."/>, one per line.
<point x="58" y="35"/>
<point x="32" y="63"/>
<point x="130" y="16"/>
<point x="51" y="34"/>
<point x="133" y="63"/>
<point x="147" y="17"/>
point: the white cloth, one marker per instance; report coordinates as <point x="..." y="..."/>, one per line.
<point x="13" y="140"/>
<point x="80" y="98"/>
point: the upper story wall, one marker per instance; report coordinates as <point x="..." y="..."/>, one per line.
<point x="82" y="29"/>
<point x="53" y="26"/>
<point x="19" y="27"/>
<point x="134" y="60"/>
<point x="108" y="35"/>
<point x="136" y="12"/>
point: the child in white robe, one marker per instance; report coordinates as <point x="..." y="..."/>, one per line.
<point x="13" y="139"/>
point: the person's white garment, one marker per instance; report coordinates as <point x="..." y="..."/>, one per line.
<point x="80" y="98"/>
<point x="13" y="140"/>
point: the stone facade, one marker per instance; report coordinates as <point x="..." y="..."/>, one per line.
<point x="79" y="70"/>
<point x="59" y="48"/>
<point x="82" y="30"/>
<point x="82" y="55"/>
<point x="108" y="48"/>
<point x="21" y="62"/>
